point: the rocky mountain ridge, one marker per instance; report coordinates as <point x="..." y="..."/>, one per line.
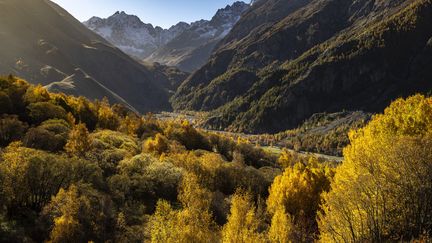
<point x="184" y="45"/>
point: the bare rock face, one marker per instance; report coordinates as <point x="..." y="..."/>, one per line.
<point x="312" y="56"/>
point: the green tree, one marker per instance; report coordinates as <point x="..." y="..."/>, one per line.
<point x="31" y="177"/>
<point x="42" y="111"/>
<point x="5" y="103"/>
<point x="51" y="135"/>
<point x="11" y="129"/>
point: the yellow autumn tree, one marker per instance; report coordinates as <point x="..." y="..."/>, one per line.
<point x="196" y="221"/>
<point x="107" y="119"/>
<point x="163" y="223"/>
<point x="298" y="190"/>
<point x="281" y="228"/>
<point x="383" y="190"/>
<point x="242" y="225"/>
<point x="158" y="144"/>
<point x="66" y="226"/>
<point x="193" y="223"/>
<point x="36" y="94"/>
<point x="287" y="159"/>
<point x="131" y="125"/>
<point x="79" y="141"/>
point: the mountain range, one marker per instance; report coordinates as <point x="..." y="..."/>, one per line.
<point x="44" y="44"/>
<point x="186" y="46"/>
<point x="287" y="60"/>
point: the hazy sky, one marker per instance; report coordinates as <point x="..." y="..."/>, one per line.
<point x="163" y="13"/>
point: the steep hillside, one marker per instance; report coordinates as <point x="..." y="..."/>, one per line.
<point x="287" y="60"/>
<point x="44" y="44"/>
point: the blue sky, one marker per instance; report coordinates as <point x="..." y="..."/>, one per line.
<point x="164" y="13"/>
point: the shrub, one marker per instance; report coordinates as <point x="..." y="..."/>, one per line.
<point x="145" y="179"/>
<point x="5" y="103"/>
<point x="157" y="145"/>
<point x="39" y="138"/>
<point x="42" y="111"/>
<point x="107" y="139"/>
<point x="11" y="129"/>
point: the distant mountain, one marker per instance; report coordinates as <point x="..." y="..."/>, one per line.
<point x="44" y="44"/>
<point x="287" y="60"/>
<point x="187" y="46"/>
<point x="133" y="36"/>
<point x="192" y="48"/>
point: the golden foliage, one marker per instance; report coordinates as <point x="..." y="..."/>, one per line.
<point x="242" y="225"/>
<point x="158" y="145"/>
<point x="193" y="223"/>
<point x="79" y="141"/>
<point x="281" y="228"/>
<point x="66" y="225"/>
<point x="383" y="191"/>
<point x="107" y="119"/>
<point x="299" y="190"/>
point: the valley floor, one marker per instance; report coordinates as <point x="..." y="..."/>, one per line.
<point x="271" y="145"/>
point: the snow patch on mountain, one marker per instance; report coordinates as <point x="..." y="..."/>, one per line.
<point x="133" y="36"/>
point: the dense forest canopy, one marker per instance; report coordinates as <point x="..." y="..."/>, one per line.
<point x="72" y="170"/>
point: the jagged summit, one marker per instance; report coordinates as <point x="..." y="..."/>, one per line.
<point x="131" y="35"/>
<point x="192" y="48"/>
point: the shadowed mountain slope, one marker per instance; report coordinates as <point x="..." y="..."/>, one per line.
<point x="41" y="42"/>
<point x="287" y="60"/>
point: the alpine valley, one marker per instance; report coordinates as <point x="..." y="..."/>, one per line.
<point x="274" y="121"/>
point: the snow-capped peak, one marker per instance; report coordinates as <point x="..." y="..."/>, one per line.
<point x="139" y="39"/>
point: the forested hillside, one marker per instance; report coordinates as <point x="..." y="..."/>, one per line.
<point x="72" y="170"/>
<point x="287" y="60"/>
